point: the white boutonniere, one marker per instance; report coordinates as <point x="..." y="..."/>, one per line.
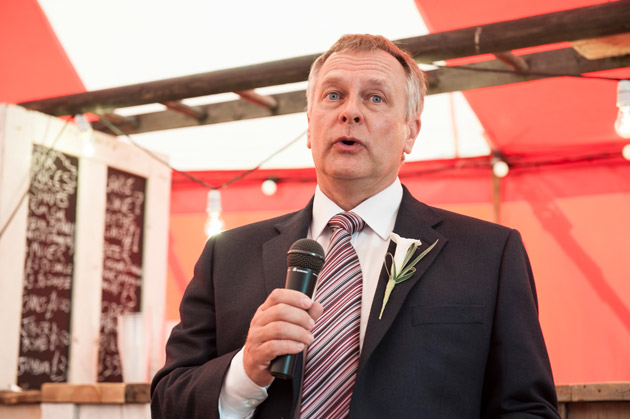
<point x="402" y="267"/>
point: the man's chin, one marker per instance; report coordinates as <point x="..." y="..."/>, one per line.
<point x="347" y="174"/>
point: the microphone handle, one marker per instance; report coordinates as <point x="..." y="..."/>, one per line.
<point x="303" y="280"/>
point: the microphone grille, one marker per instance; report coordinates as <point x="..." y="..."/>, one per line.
<point x="306" y="253"/>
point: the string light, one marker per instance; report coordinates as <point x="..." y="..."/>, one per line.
<point x="499" y="167"/>
<point x="214" y="222"/>
<point x="622" y="124"/>
<point x="269" y="187"/>
<point x="625" y="152"/>
<point x="85" y="129"/>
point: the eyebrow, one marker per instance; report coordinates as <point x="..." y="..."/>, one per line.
<point x="378" y="81"/>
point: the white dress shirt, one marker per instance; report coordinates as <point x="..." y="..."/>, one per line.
<point x="240" y="395"/>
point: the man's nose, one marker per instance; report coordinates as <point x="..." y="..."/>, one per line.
<point x="351" y="112"/>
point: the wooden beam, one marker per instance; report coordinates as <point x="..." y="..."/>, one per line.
<point x="607" y="46"/>
<point x="257" y="99"/>
<point x="190" y="111"/>
<point x="569" y="25"/>
<point x="236" y="110"/>
<point x="116" y="119"/>
<point x="515" y="62"/>
<point x="443" y="80"/>
<point x="541" y="65"/>
<point x="222" y="81"/>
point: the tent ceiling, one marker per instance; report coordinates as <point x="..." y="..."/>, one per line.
<point x="497" y="38"/>
<point x="543" y="115"/>
<point x="77" y="45"/>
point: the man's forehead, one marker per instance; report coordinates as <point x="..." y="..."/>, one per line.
<point x="361" y="57"/>
<point x="375" y="66"/>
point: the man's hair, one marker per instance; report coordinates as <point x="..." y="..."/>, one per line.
<point x="416" y="86"/>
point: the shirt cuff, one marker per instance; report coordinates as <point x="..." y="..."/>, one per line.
<point x="240" y="396"/>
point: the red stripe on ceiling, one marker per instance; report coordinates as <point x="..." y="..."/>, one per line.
<point x="446" y="15"/>
<point x="438" y="182"/>
<point x="34" y="64"/>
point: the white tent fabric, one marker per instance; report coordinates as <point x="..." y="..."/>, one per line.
<point x="115" y="43"/>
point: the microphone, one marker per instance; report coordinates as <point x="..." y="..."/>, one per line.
<point x="305" y="259"/>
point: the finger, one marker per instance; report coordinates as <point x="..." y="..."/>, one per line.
<point x="264" y="344"/>
<point x="269" y="336"/>
<point x="257" y="360"/>
<point x="284" y="313"/>
<point x="315" y="311"/>
<point x="285" y="296"/>
<point x="267" y="351"/>
<point x="283" y="331"/>
<point x="276" y="348"/>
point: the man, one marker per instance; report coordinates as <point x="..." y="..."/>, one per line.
<point x="459" y="339"/>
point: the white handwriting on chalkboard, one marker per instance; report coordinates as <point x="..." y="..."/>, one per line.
<point x="41" y="336"/>
<point x="51" y="252"/>
<point x="55" y="369"/>
<point x="45" y="304"/>
<point x="120" y="184"/>
<point x="48" y="176"/>
<point x="122" y="264"/>
<point x="45" y="324"/>
<point x="110" y="365"/>
<point x="130" y="205"/>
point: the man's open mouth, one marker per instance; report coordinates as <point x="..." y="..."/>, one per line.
<point x="349" y="141"/>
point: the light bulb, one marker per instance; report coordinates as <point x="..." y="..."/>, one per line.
<point x="622" y="124"/>
<point x="269" y="187"/>
<point x="500" y="168"/>
<point x="625" y="152"/>
<point x="214" y="222"/>
<point x="85" y="129"/>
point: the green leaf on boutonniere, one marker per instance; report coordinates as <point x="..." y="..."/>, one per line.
<point x="407" y="268"/>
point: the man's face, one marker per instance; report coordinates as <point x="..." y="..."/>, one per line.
<point x="358" y="128"/>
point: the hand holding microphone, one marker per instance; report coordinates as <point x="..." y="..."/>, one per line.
<point x="305" y="259"/>
<point x="282" y="324"/>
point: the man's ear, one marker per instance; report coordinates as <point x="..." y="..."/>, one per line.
<point x="414" y="129"/>
<point x="308" y="131"/>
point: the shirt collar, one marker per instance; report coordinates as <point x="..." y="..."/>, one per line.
<point x="378" y="212"/>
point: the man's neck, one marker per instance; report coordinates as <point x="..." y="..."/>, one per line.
<point x="348" y="194"/>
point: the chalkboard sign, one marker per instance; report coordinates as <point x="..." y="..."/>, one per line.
<point x="122" y="264"/>
<point x="45" y="321"/>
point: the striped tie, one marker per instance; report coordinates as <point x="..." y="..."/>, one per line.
<point x="332" y="359"/>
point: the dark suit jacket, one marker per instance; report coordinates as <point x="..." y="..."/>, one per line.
<point x="460" y="339"/>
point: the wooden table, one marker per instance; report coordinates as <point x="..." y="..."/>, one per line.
<point x="20" y="405"/>
<point x="586" y="401"/>
<point x="131" y="401"/>
<point x="78" y="401"/>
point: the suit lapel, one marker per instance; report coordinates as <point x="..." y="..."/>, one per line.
<point x="415" y="220"/>
<point x="274" y="251"/>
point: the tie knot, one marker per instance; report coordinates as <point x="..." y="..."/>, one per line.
<point x="348" y="221"/>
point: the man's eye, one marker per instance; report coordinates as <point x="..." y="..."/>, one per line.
<point x="376" y="99"/>
<point x="333" y="96"/>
